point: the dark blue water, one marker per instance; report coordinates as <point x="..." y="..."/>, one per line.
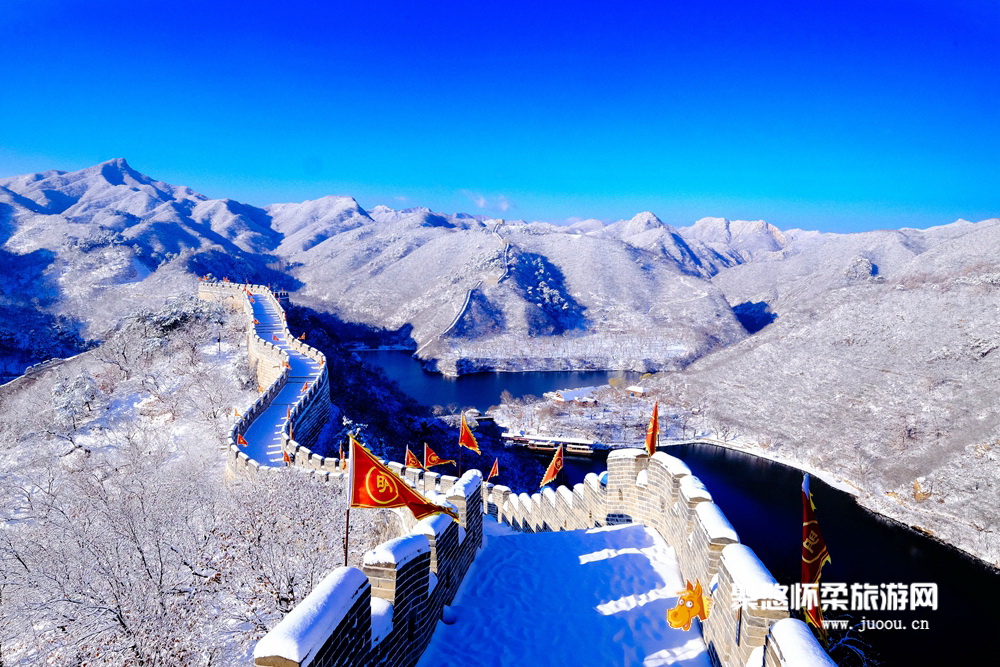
<point x="762" y="500"/>
<point x="481" y="390"/>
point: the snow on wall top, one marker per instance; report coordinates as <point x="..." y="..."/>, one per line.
<point x="438" y="498"/>
<point x="381" y="619"/>
<point x="692" y="487"/>
<point x="398" y="551"/>
<point x="716" y="524"/>
<point x="797" y="644"/>
<point x="467" y="484"/>
<point x="433" y="525"/>
<point x="628" y="453"/>
<point x="673" y="464"/>
<point x="747" y="570"/>
<point x="311" y="622"/>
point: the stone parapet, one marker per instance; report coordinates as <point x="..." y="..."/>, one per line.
<point x="660" y="492"/>
<point x="270" y="364"/>
<point x="385" y="614"/>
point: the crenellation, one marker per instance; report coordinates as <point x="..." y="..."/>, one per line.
<point x="395" y="604"/>
<point x="430" y="481"/>
<point x="669" y="499"/>
<point x="385" y="615"/>
<point x="411" y="475"/>
<point x="445" y="482"/>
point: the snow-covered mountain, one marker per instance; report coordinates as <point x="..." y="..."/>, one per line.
<point x="483" y="294"/>
<point x="87" y="247"/>
<point x="878" y="369"/>
<point x="84" y="248"/>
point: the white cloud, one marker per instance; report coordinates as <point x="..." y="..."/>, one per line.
<point x="499" y="203"/>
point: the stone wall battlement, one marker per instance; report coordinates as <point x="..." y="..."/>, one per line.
<point x="384" y="613"/>
<point x="660" y="492"/>
<point x="271" y="365"/>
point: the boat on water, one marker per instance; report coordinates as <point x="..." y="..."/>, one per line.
<point x="581" y="447"/>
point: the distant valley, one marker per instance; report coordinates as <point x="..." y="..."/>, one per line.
<point x="872" y="356"/>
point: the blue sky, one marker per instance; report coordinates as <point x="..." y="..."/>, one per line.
<point x="841" y="115"/>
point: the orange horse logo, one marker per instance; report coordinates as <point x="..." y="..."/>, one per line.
<point x="690" y="603"/>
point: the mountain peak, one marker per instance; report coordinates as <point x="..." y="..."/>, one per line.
<point x="646" y="218"/>
<point x="117" y="163"/>
<point x="748" y="237"/>
<point x="117" y="171"/>
<point x="637" y="224"/>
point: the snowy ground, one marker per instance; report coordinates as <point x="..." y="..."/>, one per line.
<point x="593" y="597"/>
<point x="264" y="435"/>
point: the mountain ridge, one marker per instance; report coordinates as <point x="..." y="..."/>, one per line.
<point x="95" y="236"/>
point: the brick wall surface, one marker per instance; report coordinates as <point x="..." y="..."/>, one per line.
<point x="417" y="589"/>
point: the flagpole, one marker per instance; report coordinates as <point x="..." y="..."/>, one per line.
<point x="347" y="532"/>
<point x="350" y="497"/>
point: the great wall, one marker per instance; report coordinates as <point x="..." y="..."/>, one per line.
<point x="386" y="613"/>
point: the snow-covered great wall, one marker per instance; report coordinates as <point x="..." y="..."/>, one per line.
<point x="660" y="492"/>
<point x="294" y="403"/>
<point x="386" y="612"/>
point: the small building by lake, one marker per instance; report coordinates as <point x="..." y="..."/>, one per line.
<point x="580" y="396"/>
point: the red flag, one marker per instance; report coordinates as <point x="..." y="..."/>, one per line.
<point x="554" y="467"/>
<point x="251" y="299"/>
<point x="411" y="459"/>
<point x="305" y="387"/>
<point x="287" y="459"/>
<point x="256" y="321"/>
<point x="285" y="364"/>
<point x="303" y="336"/>
<point x="431" y="459"/>
<point x="236" y="413"/>
<point x="653" y="430"/>
<point x="240" y="440"/>
<point x="288" y="412"/>
<point x="260" y="389"/>
<point x="275" y="337"/>
<point x="495" y="470"/>
<point x="465" y="437"/>
<point x="814" y="552"/>
<point x="374" y="485"/>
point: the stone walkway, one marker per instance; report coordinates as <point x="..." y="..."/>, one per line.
<point x="580" y="598"/>
<point x="264" y="435"/>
